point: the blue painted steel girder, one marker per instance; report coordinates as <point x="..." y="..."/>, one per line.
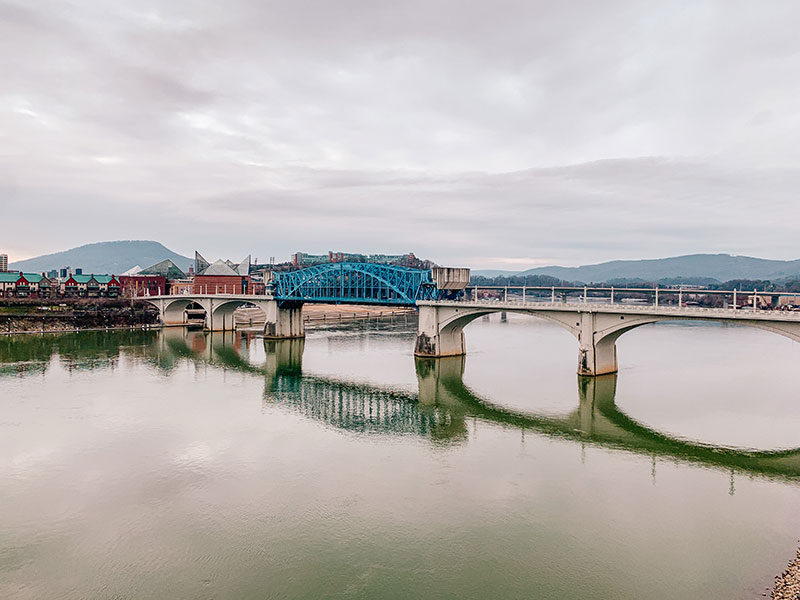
<point x="356" y="283"/>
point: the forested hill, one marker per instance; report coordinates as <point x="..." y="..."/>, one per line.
<point x="104" y="257"/>
<point x="720" y="267"/>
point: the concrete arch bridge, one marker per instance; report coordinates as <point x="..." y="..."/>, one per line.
<point x="596" y="326"/>
<point x="444" y="310"/>
<point x="282" y="320"/>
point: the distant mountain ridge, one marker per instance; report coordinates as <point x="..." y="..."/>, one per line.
<point x="722" y="267"/>
<point x="105" y="257"/>
<point x="118" y="256"/>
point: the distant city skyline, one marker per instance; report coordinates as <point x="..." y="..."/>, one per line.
<point x="498" y="136"/>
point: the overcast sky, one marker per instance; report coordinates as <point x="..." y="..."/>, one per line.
<point x="487" y="134"/>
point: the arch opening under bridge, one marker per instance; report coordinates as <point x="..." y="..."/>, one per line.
<point x="224" y="314"/>
<point x="181" y="311"/>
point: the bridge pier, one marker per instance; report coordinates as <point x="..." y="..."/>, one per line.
<point x="284" y="321"/>
<point x="596" y="355"/>
<point x="433" y="340"/>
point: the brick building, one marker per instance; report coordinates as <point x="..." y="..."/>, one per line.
<point x="221" y="278"/>
<point x="132" y="286"/>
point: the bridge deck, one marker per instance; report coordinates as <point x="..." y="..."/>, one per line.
<point x="687" y="312"/>
<point x="241" y="297"/>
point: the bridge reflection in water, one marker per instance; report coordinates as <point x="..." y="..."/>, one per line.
<point x="444" y="405"/>
<point x="439" y="412"/>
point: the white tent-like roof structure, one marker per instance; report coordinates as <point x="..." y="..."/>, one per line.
<point x="221" y="267"/>
<point x="218" y="268"/>
<point x="132" y="271"/>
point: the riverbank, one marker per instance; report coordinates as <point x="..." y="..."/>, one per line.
<point x="67" y="330"/>
<point x="338" y="312"/>
<point x="788" y="585"/>
<point x="20" y="316"/>
<point x="74" y="314"/>
<point x="327" y="313"/>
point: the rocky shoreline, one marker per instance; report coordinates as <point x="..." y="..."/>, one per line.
<point x="38" y="316"/>
<point x="787" y="586"/>
<point x="32" y="316"/>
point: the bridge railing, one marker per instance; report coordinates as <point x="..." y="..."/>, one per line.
<point x="664" y="298"/>
<point x="197" y="290"/>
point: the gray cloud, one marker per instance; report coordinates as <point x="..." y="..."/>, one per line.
<point x="468" y="132"/>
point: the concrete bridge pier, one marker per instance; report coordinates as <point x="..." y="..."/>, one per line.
<point x="597" y="353"/>
<point x="437" y="336"/>
<point x="284" y="320"/>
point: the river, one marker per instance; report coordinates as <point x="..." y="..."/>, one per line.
<point x="177" y="464"/>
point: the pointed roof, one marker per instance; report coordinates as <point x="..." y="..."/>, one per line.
<point x="132" y="271"/>
<point x="218" y="268"/>
<point x="165" y="268"/>
<point x="83" y="278"/>
<point x="243" y="268"/>
<point x="200" y="263"/>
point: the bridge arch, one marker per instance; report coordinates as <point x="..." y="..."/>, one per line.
<point x="174" y="312"/>
<point x="222" y="313"/>
<point x="450" y="328"/>
<point x="441" y="330"/>
<point x="355" y="283"/>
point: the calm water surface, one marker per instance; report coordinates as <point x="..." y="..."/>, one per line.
<point x="186" y="465"/>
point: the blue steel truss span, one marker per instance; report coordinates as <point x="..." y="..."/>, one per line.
<point x="356" y="283"/>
